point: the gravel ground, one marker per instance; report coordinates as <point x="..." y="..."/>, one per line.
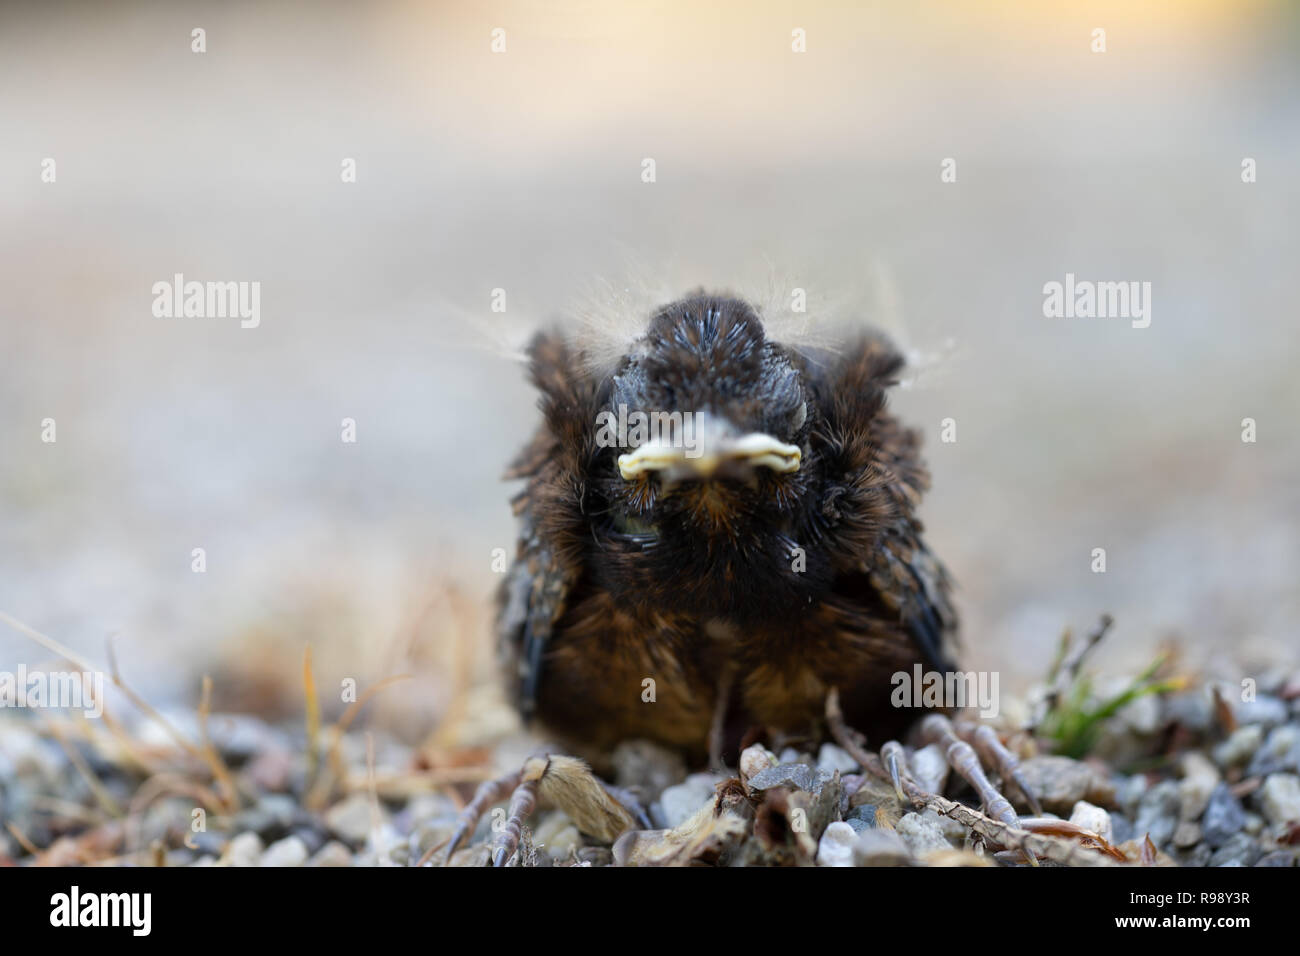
<point x="1172" y="779"/>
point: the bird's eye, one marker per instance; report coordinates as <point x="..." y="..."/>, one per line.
<point x="633" y="526"/>
<point x="800" y="416"/>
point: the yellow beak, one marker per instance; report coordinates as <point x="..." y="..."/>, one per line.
<point x="755" y="449"/>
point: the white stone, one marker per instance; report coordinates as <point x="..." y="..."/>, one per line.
<point x="922" y="834"/>
<point x="1200" y="777"/>
<point x="836" y="845"/>
<point x="243" y="850"/>
<point x="754" y="759"/>
<point x="1279" y="798"/>
<point x="831" y="757"/>
<point x="333" y="853"/>
<point x="290" y="851"/>
<point x="929" y="768"/>
<point x="1240" y="746"/>
<point x="1093" y="818"/>
<point x="349" y="819"/>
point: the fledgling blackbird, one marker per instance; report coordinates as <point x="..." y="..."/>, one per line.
<point x="688" y="591"/>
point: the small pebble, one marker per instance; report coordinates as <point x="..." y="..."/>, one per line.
<point x="244" y="850"/>
<point x="312" y="838"/>
<point x="255" y="820"/>
<point x="954" y="831"/>
<point x="431" y="806"/>
<point x="929" y="768"/>
<point x="862" y="817"/>
<point x="556" y="836"/>
<point x="333" y="853"/>
<point x="349" y="819"/>
<point x="1280" y="752"/>
<point x="799" y="776"/>
<point x="271" y="769"/>
<point x="1093" y="818"/>
<point x="1129" y="792"/>
<point x="1061" y="783"/>
<point x="831" y="758"/>
<point x="879" y="847"/>
<point x="30" y="754"/>
<point x="1223" y="816"/>
<point x="284" y="809"/>
<point x="290" y="851"/>
<point x="1264" y="709"/>
<point x="1239" y="850"/>
<point x="1187" y="834"/>
<point x="1200" y="777"/>
<point x="1122" y="827"/>
<point x="595" y="856"/>
<point x="207" y="842"/>
<point x="1239" y="747"/>
<point x="1157" y="814"/>
<point x="754" y="760"/>
<point x="1279" y="798"/>
<point x="242" y="736"/>
<point x="678" y="804"/>
<point x="922" y="834"/>
<point x="1198" y="855"/>
<point x="1193" y="710"/>
<point x="387" y="843"/>
<point x="836" y="845"/>
<point x="1277" y="858"/>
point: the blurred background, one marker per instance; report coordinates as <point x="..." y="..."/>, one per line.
<point x="522" y="170"/>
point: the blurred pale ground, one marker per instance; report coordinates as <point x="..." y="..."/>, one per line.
<point x="522" y="171"/>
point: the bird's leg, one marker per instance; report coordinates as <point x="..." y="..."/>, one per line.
<point x="718" y="727"/>
<point x="522" y="803"/>
<point x="596" y="808"/>
<point x="962" y="758"/>
<point x="891" y="765"/>
<point x="488" y="793"/>
<point x="985" y="740"/>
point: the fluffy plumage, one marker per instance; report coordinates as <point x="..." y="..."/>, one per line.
<point x="763" y="586"/>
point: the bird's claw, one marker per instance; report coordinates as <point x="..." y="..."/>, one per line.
<point x="986" y="741"/>
<point x="488" y="793"/>
<point x="597" y="808"/>
<point x="962" y="758"/>
<point x="895" y="762"/>
<point x="960" y="743"/>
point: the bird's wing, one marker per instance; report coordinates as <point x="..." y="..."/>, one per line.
<point x="911" y="582"/>
<point x="874" y="481"/>
<point x="533" y="598"/>
<point x="547" y="567"/>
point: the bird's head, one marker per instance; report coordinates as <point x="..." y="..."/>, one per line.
<point x="704" y="477"/>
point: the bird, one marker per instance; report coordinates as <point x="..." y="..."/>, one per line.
<point x="739" y="568"/>
<point x="719" y="543"/>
